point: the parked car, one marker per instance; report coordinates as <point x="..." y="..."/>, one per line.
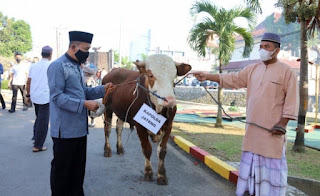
<point x="195" y="82"/>
<point x="206" y="83"/>
<point x="214" y="85"/>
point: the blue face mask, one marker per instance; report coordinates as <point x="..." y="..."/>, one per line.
<point x="81" y="56"/>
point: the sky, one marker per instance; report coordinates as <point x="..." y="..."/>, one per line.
<point x="114" y="23"/>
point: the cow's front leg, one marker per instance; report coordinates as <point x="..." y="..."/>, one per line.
<point x="119" y="129"/>
<point x="147" y="150"/>
<point x="107" y="131"/>
<point x="162" y="151"/>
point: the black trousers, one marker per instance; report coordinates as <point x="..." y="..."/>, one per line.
<point x="40" y="127"/>
<point x="1" y="99"/>
<point x="68" y="166"/>
<point x="15" y="89"/>
<point x="3" y="104"/>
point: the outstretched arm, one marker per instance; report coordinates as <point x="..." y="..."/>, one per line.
<point x="202" y="76"/>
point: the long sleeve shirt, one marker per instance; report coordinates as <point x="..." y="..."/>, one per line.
<point x="68" y="116"/>
<point x="1" y="72"/>
<point x="1" y="69"/>
<point x="272" y="93"/>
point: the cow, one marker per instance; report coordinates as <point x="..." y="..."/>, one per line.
<point x="133" y="89"/>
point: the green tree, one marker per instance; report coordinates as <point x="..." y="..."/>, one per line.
<point x="14" y="36"/>
<point x="289" y="42"/>
<point x="116" y="56"/>
<point x="125" y="61"/>
<point x="307" y="13"/>
<point x="220" y="22"/>
<point x="302" y="11"/>
<point x="144" y="56"/>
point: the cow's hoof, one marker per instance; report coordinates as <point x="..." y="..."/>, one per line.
<point x="120" y="150"/>
<point x="148" y="177"/>
<point x="162" y="181"/>
<point x="107" y="154"/>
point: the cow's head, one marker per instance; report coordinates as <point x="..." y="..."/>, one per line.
<point x="160" y="71"/>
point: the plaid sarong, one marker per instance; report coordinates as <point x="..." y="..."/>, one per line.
<point x="262" y="176"/>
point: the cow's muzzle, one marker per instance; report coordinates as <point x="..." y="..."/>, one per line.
<point x="170" y="101"/>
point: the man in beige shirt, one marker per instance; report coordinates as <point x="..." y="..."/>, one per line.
<point x="272" y="100"/>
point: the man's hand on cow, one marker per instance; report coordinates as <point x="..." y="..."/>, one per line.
<point x="91" y="105"/>
<point x="109" y="86"/>
<point x="201" y="76"/>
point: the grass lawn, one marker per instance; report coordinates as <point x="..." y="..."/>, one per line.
<point x="4" y="84"/>
<point x="226" y="144"/>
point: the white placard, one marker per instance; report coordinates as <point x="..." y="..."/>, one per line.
<point x="149" y="118"/>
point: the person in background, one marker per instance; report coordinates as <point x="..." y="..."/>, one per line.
<point x="17" y="81"/>
<point x="1" y="98"/>
<point x="35" y="59"/>
<point x="89" y="71"/>
<point x="38" y="92"/>
<point x="272" y="100"/>
<point x="6" y="74"/>
<point x="97" y="77"/>
<point x="70" y="101"/>
<point x="103" y="73"/>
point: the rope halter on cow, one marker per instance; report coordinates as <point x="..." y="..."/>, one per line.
<point x="110" y="90"/>
<point x="153" y="93"/>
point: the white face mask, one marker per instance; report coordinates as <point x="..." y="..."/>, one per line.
<point x="266" y="55"/>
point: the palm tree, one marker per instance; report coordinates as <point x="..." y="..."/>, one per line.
<point x="220" y="22"/>
<point x="307" y="13"/>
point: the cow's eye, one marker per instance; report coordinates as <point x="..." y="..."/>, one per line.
<point x="150" y="76"/>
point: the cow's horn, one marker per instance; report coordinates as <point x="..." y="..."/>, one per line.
<point x="177" y="64"/>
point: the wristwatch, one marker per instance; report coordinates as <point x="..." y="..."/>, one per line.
<point x="28" y="96"/>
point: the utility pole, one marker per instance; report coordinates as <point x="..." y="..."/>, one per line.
<point x="57" y="42"/>
<point x="120" y="42"/>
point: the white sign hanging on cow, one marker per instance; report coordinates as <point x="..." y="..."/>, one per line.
<point x="149" y="118"/>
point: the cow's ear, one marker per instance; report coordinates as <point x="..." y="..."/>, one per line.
<point x="182" y="68"/>
<point x="141" y="65"/>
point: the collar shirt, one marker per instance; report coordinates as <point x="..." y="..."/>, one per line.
<point x="68" y="116"/>
<point x="39" y="89"/>
<point x="272" y="93"/>
<point x="19" y="73"/>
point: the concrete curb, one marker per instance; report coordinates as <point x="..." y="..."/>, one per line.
<point x="308" y="186"/>
<point x="225" y="170"/>
<point x="311" y="187"/>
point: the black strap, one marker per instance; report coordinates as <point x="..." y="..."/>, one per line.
<point x="280" y="129"/>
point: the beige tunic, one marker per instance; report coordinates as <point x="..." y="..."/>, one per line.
<point x="272" y="93"/>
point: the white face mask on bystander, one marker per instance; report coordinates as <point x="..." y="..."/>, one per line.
<point x="266" y="55"/>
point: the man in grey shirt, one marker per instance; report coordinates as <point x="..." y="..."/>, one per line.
<point x="70" y="101"/>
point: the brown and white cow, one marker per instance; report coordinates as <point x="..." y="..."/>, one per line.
<point x="156" y="73"/>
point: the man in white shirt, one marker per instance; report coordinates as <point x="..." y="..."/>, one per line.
<point x="18" y="77"/>
<point x="103" y="73"/>
<point x="38" y="91"/>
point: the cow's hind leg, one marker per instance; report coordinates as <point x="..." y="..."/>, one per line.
<point x="107" y="131"/>
<point x="162" y="151"/>
<point x="147" y="150"/>
<point x="119" y="129"/>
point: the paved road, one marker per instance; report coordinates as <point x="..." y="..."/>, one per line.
<point x="25" y="173"/>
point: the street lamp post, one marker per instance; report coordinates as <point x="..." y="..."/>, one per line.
<point x="317" y="92"/>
